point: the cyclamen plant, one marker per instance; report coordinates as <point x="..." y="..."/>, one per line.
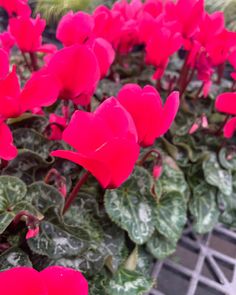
<point x="111" y="143"/>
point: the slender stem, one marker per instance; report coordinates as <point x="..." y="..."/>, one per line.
<point x="75" y="191"/>
<point x="26" y="61"/>
<point x="49" y="175"/>
<point x="221" y="69"/>
<point x="218" y="132"/>
<point x="233" y="86"/>
<point x="34" y="62"/>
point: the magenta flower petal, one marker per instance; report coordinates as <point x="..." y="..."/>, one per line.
<point x="75" y="28"/>
<point x="7" y="150"/>
<point x="169" y="112"/>
<point x="145" y="106"/>
<point x="64" y="281"/>
<point x="105" y="55"/>
<point x="4" y="62"/>
<point x="230" y="128"/>
<point x="76" y="69"/>
<point x="22" y="281"/>
<point x="226" y="103"/>
<point x="34" y="95"/>
<point x="9" y="96"/>
<point x="105" y="143"/>
<point x="27" y="32"/>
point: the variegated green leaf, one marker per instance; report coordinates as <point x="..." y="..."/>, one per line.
<point x="217" y="176"/>
<point x="131" y="206"/>
<point x="203" y="207"/>
<point x="129" y="283"/>
<point x="160" y="247"/>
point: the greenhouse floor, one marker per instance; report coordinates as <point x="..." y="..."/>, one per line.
<point x="202" y="265"/>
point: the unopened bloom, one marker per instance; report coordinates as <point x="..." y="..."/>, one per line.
<point x="105" y="142"/>
<point x="54" y="280"/>
<point x="151" y="118"/>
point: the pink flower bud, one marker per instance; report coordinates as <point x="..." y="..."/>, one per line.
<point x="32" y="232"/>
<point x="157" y="171"/>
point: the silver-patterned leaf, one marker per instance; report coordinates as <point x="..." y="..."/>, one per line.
<point x="45" y="198"/>
<point x="14" y="257"/>
<point x="56" y="243"/>
<point x="160" y="247"/>
<point x="203" y="207"/>
<point x="217" y="176"/>
<point x="131" y="206"/>
<point x="171" y="215"/>
<point x="129" y="283"/>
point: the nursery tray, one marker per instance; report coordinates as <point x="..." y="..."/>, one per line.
<point x="201" y="265"/>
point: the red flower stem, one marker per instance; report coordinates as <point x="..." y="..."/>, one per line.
<point x="65" y="110"/>
<point x="218" y="132"/>
<point x="34" y="61"/>
<point x="221" y="69"/>
<point x="158" y="85"/>
<point x="26" y="61"/>
<point x="183" y="71"/>
<point x="51" y="173"/>
<point x="75" y="191"/>
<point x="188" y="79"/>
<point x="233" y="86"/>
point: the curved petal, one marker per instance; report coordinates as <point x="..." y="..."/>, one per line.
<point x="89" y="132"/>
<point x="34" y="94"/>
<point x="9" y="95"/>
<point x="64" y="281"/>
<point x="76" y="67"/>
<point x="230" y="128"/>
<point x="169" y="112"/>
<point x="4" y="62"/>
<point x="75" y="28"/>
<point x="226" y="103"/>
<point x="94" y="166"/>
<point x="21" y="281"/>
<point x="7" y="150"/>
<point x="117" y="118"/>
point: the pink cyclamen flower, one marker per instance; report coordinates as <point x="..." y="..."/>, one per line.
<point x="14" y="101"/>
<point x="157" y="55"/>
<point x="28" y="34"/>
<point x="189" y="21"/>
<point x="54" y="280"/>
<point x="77" y="71"/>
<point x="108" y="24"/>
<point x="105" y="142"/>
<point x="151" y="118"/>
<point x="7" y="150"/>
<point x="16" y="7"/>
<point x="226" y="103"/>
<point x="75" y="28"/>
